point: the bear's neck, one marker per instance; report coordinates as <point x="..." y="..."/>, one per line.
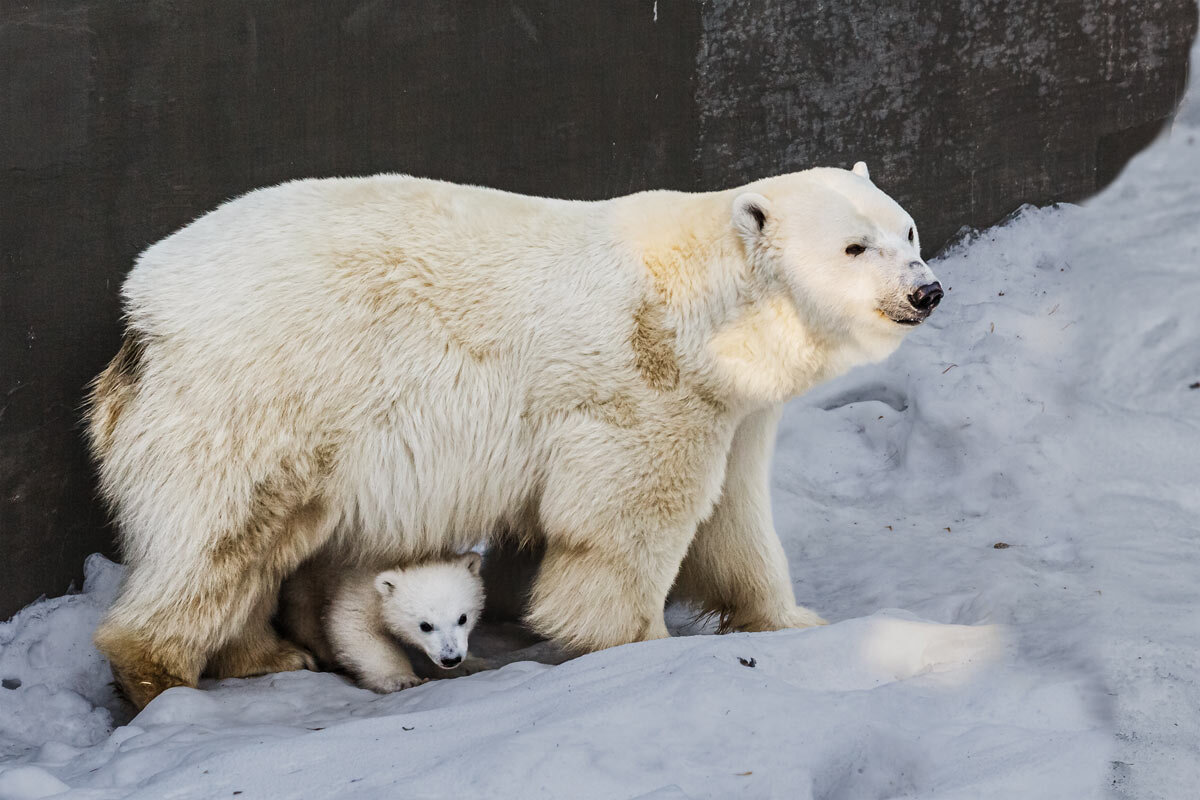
<point x="738" y="334"/>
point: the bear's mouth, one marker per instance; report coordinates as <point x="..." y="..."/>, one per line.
<point x="911" y="321"/>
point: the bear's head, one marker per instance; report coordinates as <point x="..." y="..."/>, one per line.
<point x="433" y="606"/>
<point x="849" y="255"/>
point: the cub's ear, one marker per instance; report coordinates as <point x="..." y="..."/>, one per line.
<point x="860" y="169"/>
<point x="751" y="213"/>
<point x="387" y="581"/>
<point x="472" y="561"/>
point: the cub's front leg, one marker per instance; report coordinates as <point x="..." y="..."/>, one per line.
<point x="363" y="648"/>
<point x="385" y="682"/>
<point x="376" y="662"/>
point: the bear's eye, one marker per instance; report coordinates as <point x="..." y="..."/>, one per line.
<point x="855" y="250"/>
<point x="425" y="626"/>
<point x="910" y="234"/>
<point x="462" y="620"/>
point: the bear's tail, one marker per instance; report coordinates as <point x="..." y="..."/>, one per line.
<point x="112" y="391"/>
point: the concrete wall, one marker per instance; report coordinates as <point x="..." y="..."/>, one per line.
<point x="120" y="121"/>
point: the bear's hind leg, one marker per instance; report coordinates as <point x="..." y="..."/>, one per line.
<point x="258" y="649"/>
<point x="164" y="624"/>
<point x="143" y="669"/>
<point x="180" y="607"/>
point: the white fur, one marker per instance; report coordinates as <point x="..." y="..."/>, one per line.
<point x="421" y="364"/>
<point x="368" y="612"/>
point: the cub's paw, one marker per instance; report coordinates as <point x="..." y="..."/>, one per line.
<point x="386" y="684"/>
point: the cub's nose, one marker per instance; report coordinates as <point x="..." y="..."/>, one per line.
<point x="451" y="662"/>
<point x="926" y="298"/>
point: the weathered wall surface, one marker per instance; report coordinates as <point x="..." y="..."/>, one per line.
<point x="120" y="121"/>
<point x="963" y="110"/>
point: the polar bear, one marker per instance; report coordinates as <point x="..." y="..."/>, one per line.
<point x="356" y="619"/>
<point x="390" y="366"/>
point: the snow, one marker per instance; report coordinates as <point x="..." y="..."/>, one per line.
<point x="871" y="707"/>
<point x="1045" y="406"/>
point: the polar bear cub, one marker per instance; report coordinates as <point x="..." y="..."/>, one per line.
<point x="430" y="606"/>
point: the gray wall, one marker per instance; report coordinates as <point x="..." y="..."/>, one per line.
<point x="121" y="121"/>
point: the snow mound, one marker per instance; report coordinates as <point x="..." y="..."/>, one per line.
<point x="54" y="686"/>
<point x="853" y="710"/>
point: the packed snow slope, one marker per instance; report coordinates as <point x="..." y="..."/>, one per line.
<point x="1000" y="522"/>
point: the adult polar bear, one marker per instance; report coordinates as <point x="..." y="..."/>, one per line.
<point x="388" y="367"/>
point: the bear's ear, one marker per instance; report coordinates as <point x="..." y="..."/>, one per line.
<point x="860" y="169"/>
<point x="472" y="561"/>
<point x="751" y="212"/>
<point x="387" y="581"/>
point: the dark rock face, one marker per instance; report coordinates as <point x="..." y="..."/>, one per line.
<point x="120" y="122"/>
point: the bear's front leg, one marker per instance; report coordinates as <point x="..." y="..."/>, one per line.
<point x="618" y="512"/>
<point x="587" y="599"/>
<point x="736" y="568"/>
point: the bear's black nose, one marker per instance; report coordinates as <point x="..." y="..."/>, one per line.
<point x="451" y="662"/>
<point x="926" y="297"/>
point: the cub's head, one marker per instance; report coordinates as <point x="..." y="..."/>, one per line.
<point x="433" y="606"/>
<point x="849" y="255"/>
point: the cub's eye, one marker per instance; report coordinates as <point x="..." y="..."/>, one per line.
<point x="425" y="626"/>
<point x="462" y="620"/>
<point x="910" y="234"/>
<point x="855" y="250"/>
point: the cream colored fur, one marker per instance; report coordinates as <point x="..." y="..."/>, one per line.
<point x="355" y="618"/>
<point x="392" y="367"/>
